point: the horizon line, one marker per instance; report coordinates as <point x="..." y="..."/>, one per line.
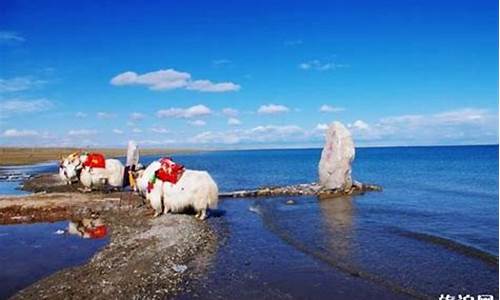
<point x="242" y="149"/>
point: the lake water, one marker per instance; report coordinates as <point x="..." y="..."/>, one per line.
<point x="29" y="252"/>
<point x="433" y="230"/>
<point x="12" y="186"/>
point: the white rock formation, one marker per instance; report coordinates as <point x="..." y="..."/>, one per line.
<point x="132" y="154"/>
<point x="336" y="158"/>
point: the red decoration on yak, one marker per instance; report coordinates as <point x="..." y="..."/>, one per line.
<point x="169" y="171"/>
<point x="95" y="160"/>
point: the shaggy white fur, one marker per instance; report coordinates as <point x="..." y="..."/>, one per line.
<point x="62" y="175"/>
<point x="92" y="177"/>
<point x="195" y="189"/>
<point x="144" y="176"/>
<point x="112" y="175"/>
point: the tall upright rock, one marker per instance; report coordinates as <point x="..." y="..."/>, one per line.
<point x="132" y="154"/>
<point x="336" y="158"/>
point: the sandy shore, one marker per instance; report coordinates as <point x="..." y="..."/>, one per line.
<point x="145" y="258"/>
<point x="10" y="156"/>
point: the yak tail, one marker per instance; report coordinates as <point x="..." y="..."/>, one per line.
<point x="213" y="196"/>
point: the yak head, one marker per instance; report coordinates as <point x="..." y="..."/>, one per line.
<point x="70" y="167"/>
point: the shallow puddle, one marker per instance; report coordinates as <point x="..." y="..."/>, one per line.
<point x="29" y="252"/>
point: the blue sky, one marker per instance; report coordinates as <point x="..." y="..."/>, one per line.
<point x="255" y="74"/>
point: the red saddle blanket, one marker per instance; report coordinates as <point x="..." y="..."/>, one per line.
<point x="169" y="171"/>
<point x="95" y="160"/>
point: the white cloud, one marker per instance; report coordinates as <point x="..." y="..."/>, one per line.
<point x="137" y="130"/>
<point x="321" y="66"/>
<point x="171" y="79"/>
<point x="17" y="84"/>
<point x="197" y="123"/>
<point x="210" y="137"/>
<point x="8" y="37"/>
<point x="406" y="119"/>
<point x="80" y="115"/>
<point x="136" y="116"/>
<point x="158" y="80"/>
<point x="325" y="108"/>
<point x="82" y="132"/>
<point x="272" y="109"/>
<point x="321" y="127"/>
<point x="157" y="142"/>
<point x="278" y="130"/>
<point x="258" y="134"/>
<point x="118" y="131"/>
<point x="233" y="122"/>
<point x="467" y="125"/>
<point x="25" y="106"/>
<point x="159" y="130"/>
<point x="462" y="126"/>
<point x="13" y="133"/>
<point x="105" y="115"/>
<point x="361" y="125"/>
<point x="453" y="117"/>
<point x="190" y="112"/>
<point x="208" y="86"/>
<point x="462" y="116"/>
<point x="230" y="112"/>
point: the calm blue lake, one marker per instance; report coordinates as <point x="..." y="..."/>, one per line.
<point x="448" y="191"/>
<point x="433" y="230"/>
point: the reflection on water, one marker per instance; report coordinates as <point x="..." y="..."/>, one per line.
<point x="338" y="233"/>
<point x="29" y="252"/>
<point x="88" y="228"/>
<point x="337" y="216"/>
<point x="253" y="262"/>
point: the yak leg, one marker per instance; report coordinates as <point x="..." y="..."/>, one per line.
<point x="166" y="208"/>
<point x="155" y="197"/>
<point x="203" y="214"/>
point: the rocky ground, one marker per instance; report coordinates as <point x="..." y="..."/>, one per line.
<point x="50" y="183"/>
<point x="306" y="189"/>
<point x="146" y="257"/>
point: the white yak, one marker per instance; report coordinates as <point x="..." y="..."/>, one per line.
<point x="111" y="175"/>
<point x="194" y="189"/>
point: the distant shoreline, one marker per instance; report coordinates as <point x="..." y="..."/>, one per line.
<point x="15" y="156"/>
